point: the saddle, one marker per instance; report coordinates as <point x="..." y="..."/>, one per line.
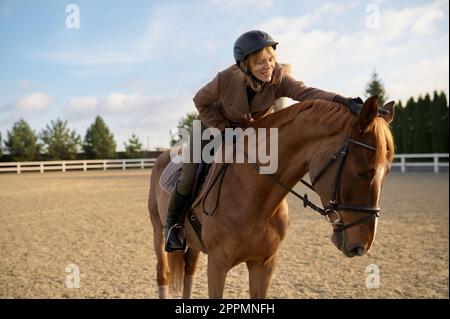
<point x="202" y="182"/>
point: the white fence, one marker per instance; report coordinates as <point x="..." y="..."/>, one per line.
<point x="83" y="165"/>
<point x="18" y="167"/>
<point x="435" y="164"/>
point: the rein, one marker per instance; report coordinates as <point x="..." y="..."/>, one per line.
<point x="333" y="207"/>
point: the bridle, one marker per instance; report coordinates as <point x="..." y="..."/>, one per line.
<point x="334" y="206"/>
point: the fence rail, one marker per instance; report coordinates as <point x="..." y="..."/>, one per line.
<point x="400" y="160"/>
<point x="83" y="165"/>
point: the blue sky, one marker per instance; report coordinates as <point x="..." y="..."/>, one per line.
<point x="139" y="63"/>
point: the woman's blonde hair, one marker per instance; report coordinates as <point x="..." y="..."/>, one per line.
<point x="250" y="79"/>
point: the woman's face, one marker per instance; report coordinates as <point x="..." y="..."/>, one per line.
<point x="262" y="65"/>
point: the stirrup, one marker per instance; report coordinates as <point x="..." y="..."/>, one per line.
<point x="181" y="245"/>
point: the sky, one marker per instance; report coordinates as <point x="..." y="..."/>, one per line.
<point x="139" y="63"/>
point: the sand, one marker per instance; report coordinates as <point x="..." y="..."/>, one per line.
<point x="99" y="222"/>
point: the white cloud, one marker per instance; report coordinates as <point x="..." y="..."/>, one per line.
<point x="326" y="11"/>
<point x="91" y="57"/>
<point x="419" y="79"/>
<point x="82" y="104"/>
<point x="417" y="20"/>
<point x="163" y="23"/>
<point x="425" y="22"/>
<point x="241" y="5"/>
<point x="148" y="116"/>
<point x="33" y="102"/>
<point x="405" y="46"/>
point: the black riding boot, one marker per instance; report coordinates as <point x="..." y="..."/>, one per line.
<point x="177" y="204"/>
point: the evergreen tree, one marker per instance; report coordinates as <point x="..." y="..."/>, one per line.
<point x="439" y="123"/>
<point x="22" y="142"/>
<point x="1" y="145"/>
<point x="99" y="141"/>
<point x="185" y="123"/>
<point x="376" y="87"/>
<point x="133" y="148"/>
<point x="444" y="137"/>
<point x="59" y="142"/>
<point x="420" y="125"/>
<point x="397" y="128"/>
<point x="408" y="126"/>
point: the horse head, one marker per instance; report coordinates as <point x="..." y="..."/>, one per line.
<point x="348" y="173"/>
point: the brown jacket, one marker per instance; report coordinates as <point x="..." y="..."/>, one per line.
<point x="223" y="102"/>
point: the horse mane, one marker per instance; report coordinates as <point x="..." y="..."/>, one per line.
<point x="384" y="141"/>
<point x="330" y="113"/>
<point x="336" y="116"/>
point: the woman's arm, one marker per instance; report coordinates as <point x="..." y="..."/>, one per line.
<point x="206" y="103"/>
<point x="297" y="90"/>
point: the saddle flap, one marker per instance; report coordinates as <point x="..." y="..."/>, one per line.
<point x="169" y="176"/>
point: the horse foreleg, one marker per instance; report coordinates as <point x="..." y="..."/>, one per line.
<point x="217" y="272"/>
<point x="260" y="275"/>
<point x="162" y="266"/>
<point x="190" y="265"/>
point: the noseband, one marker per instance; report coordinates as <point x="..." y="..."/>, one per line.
<point x="334" y="206"/>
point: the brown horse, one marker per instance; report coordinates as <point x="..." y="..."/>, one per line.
<point x="347" y="158"/>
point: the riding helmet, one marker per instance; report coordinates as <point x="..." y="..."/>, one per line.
<point x="251" y="42"/>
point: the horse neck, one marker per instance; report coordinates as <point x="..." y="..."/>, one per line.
<point x="298" y="141"/>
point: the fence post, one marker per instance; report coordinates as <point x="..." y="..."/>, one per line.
<point x="41" y="166"/>
<point x="104" y="165"/>
<point x="63" y="166"/>
<point x="84" y="166"/>
<point x="18" y="168"/>
<point x="124" y="165"/>
<point x="142" y="164"/>
<point x="403" y="164"/>
<point x="436" y="163"/>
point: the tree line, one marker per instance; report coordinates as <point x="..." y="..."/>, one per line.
<point x="57" y="142"/>
<point x="420" y="126"/>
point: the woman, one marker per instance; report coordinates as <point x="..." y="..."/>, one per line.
<point x="242" y="93"/>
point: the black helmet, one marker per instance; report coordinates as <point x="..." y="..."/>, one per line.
<point x="250" y="42"/>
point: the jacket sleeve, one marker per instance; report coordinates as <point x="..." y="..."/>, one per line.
<point x="206" y="101"/>
<point x="297" y="90"/>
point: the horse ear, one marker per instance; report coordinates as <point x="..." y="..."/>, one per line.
<point x="389" y="114"/>
<point x="368" y="112"/>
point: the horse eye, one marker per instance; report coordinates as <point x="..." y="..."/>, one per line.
<point x="366" y="174"/>
<point x="363" y="174"/>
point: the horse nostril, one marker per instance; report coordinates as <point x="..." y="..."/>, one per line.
<point x="359" y="251"/>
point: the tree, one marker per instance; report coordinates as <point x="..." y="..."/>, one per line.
<point x="59" y="142"/>
<point x="376" y="87"/>
<point x="133" y="148"/>
<point x="439" y="123"/>
<point x="444" y="121"/>
<point x="22" y="142"/>
<point x="408" y="126"/>
<point x="185" y="123"/>
<point x="99" y="141"/>
<point x="397" y="128"/>
<point x="422" y="136"/>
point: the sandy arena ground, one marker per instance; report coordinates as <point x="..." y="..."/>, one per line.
<point x="99" y="221"/>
